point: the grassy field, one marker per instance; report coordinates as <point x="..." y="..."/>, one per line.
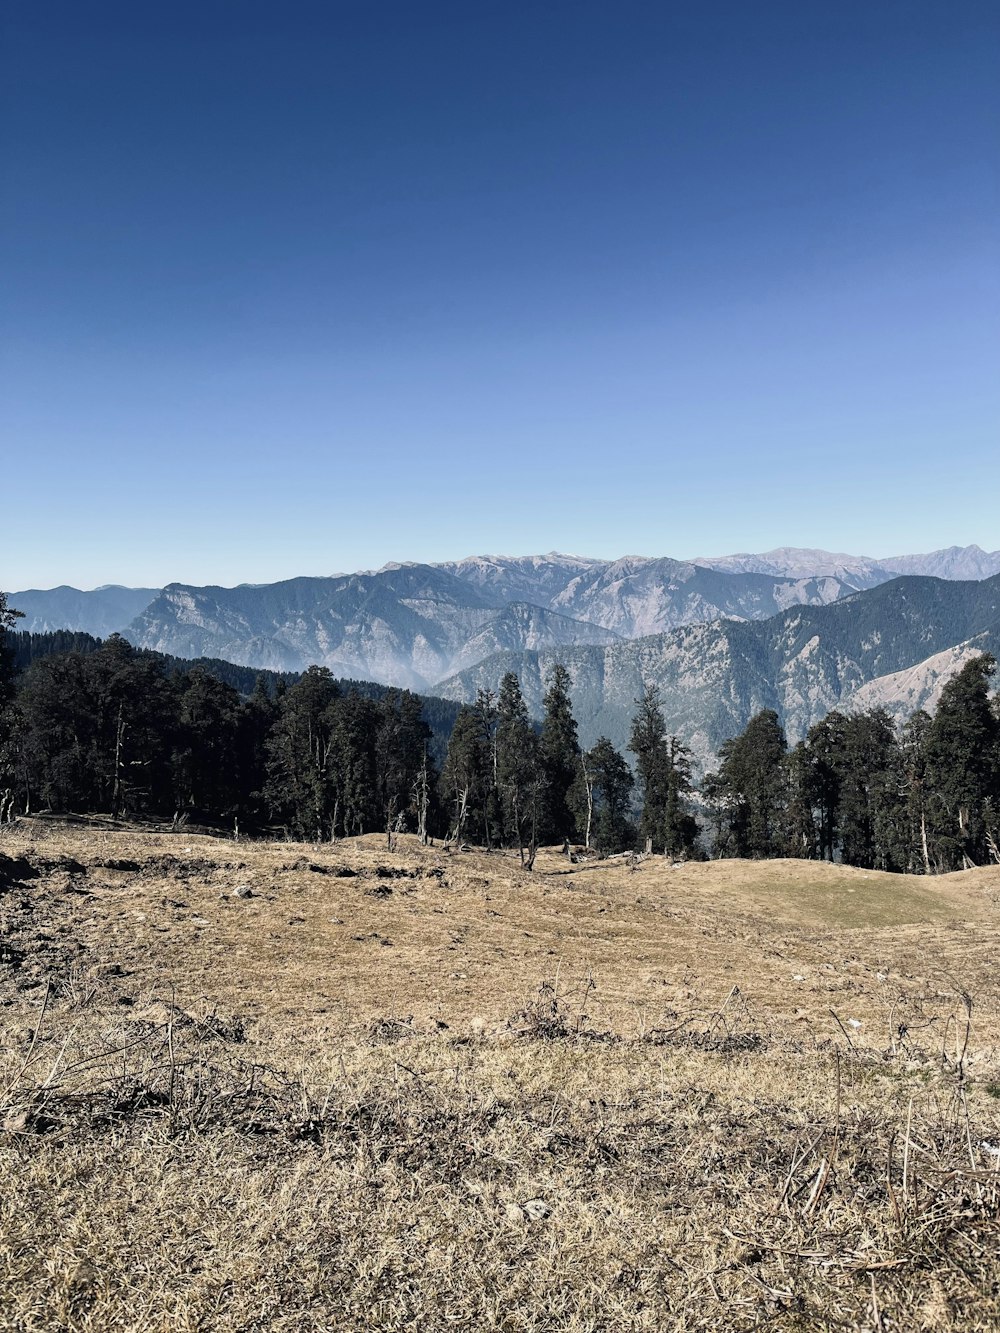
<point x="277" y="1086"/>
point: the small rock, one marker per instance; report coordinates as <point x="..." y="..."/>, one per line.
<point x="242" y="891"/>
<point x="535" y="1210"/>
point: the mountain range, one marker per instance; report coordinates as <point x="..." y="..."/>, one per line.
<point x="893" y="645"/>
<point x="417" y="623"/>
<point x="795" y="629"/>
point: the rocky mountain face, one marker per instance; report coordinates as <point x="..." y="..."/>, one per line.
<point x="100" y="612"/>
<point x="714" y="677"/>
<point x="406" y="625"/>
<point x="538" y="579"/>
<point x="636" y="597"/>
<point x="639" y="595"/>
<point x="859" y="571"/>
<point x="954" y="562"/>
<point x="901" y="693"/>
<point x="413" y="624"/>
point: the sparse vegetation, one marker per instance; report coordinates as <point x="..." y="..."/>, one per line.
<point x="241" y="1091"/>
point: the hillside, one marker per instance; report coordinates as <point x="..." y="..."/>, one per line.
<point x="415" y="624"/>
<point x="714" y="677"/>
<point x="439" y="714"/>
<point x="406" y="625"/>
<point x="902" y="693"/>
<point x="251" y="1086"/>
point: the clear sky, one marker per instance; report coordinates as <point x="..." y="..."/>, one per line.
<point x="305" y="287"/>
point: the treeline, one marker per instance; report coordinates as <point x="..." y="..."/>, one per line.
<point x="506" y="783"/>
<point x="107" y="727"/>
<point x="26" y="647"/>
<point x="115" y="729"/>
<point x="922" y="799"/>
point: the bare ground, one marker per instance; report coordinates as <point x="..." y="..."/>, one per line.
<point x="275" y="1086"/>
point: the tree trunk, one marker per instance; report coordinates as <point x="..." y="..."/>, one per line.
<point x="119" y="739"/>
<point x="923" y="842"/>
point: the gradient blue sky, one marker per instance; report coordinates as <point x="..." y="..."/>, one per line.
<point x="299" y="288"/>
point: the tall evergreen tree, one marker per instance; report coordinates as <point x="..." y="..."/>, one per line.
<point x="962" y="766"/>
<point x="301" y="786"/>
<point x="520" y="774"/>
<point x="400" y="748"/>
<point x="8" y="618"/>
<point x="466" y="775"/>
<point x="800" y="819"/>
<point x="870" y="805"/>
<point x="559" y="749"/>
<point x="258" y="715"/>
<point x="489" y="811"/>
<point x="665" y="766"/>
<point x="824" y="755"/>
<point x="646" y="743"/>
<point x="609" y="782"/>
<point x="359" y="804"/>
<point x="206" y="751"/>
<point x="749" y="790"/>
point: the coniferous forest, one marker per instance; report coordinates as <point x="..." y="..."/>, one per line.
<point x="104" y="727"/>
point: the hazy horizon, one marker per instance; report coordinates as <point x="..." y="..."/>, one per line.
<point x="495" y="555"/>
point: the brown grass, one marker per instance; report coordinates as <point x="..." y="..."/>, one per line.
<point x="437" y="1092"/>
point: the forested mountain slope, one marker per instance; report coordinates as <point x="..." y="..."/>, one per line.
<point x="714" y="677"/>
<point x="415" y="624"/>
<point x="406" y="625"/>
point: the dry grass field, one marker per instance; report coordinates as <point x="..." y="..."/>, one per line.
<point x="284" y="1087"/>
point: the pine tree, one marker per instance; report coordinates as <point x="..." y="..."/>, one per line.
<point x="646" y="743"/>
<point x="665" y="766"/>
<point x="8" y="618"/>
<point x="800" y="821"/>
<point x="611" y="782"/>
<point x="913" y="787"/>
<point x="962" y="766"/>
<point x="467" y="772"/>
<point x="824" y="757"/>
<point x="870" y="803"/>
<point x="520" y="775"/>
<point x="206" y="773"/>
<point x="400" y="749"/>
<point x="301" y="784"/>
<point x="560" y="756"/>
<point x="749" y="791"/>
<point x="488" y="807"/>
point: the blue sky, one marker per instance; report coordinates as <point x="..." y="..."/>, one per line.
<point x="306" y="287"/>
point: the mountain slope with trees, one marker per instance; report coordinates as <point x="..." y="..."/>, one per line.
<point x="713" y="678"/>
<point x="413" y="624"/>
<point x="406" y="625"/>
